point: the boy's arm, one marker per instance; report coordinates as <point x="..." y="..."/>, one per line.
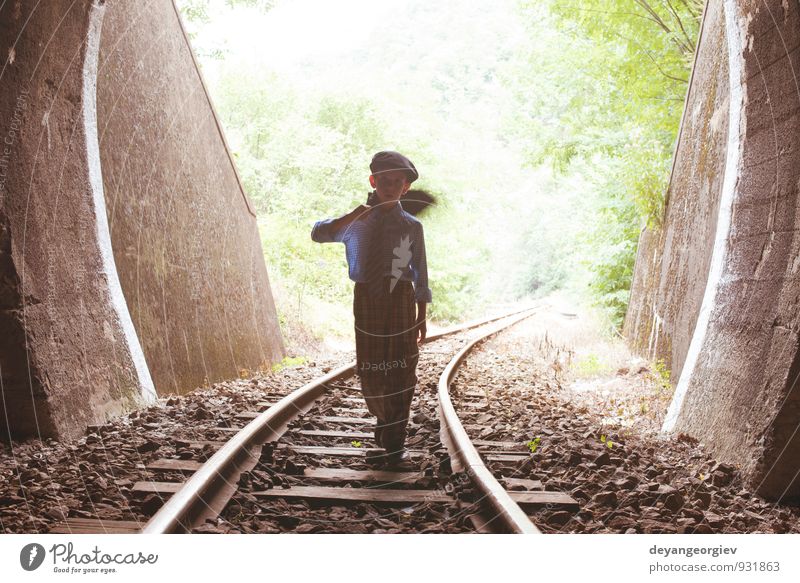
<point x="422" y="293"/>
<point x="333" y="230"/>
<point x="419" y="269"/>
<point x="322" y="231"/>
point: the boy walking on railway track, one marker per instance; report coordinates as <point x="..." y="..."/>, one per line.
<point x="385" y="249"/>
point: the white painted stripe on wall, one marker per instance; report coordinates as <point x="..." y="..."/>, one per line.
<point x="116" y="297"/>
<point x="720" y="251"/>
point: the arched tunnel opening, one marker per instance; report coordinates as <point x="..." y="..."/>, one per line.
<point x="160" y="182"/>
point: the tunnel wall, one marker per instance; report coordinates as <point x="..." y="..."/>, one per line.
<point x="69" y="355"/>
<point x="737" y="383"/>
<point x="143" y="215"/>
<point x="184" y="233"/>
<point x="673" y="260"/>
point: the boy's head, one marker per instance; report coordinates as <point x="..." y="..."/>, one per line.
<point x="392" y="175"/>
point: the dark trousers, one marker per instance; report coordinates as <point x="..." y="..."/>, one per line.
<point x="387" y="356"/>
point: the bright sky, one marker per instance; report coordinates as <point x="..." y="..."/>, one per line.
<point x="297" y="29"/>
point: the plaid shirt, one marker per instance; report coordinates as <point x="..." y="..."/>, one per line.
<point x="402" y="240"/>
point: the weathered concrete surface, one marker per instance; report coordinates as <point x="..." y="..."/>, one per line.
<point x="68" y="351"/>
<point x="737" y="388"/>
<point x="673" y="261"/>
<point x="182" y="253"/>
<point x="184" y="235"/>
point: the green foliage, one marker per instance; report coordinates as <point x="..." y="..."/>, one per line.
<point x="197" y="11"/>
<point x="663" y="375"/>
<point x="303" y="149"/>
<point x="609" y="244"/>
<point x="589" y="365"/>
<point x="287" y="362"/>
<point x="641" y="52"/>
<point x="299" y="174"/>
<point x="609" y="108"/>
<point x="548" y="147"/>
<point x="297" y="177"/>
<point x="533" y="444"/>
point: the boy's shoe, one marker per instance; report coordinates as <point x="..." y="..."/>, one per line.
<point x="375" y="456"/>
<point x="400" y="460"/>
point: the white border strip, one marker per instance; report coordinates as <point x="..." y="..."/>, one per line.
<point x="720" y="252"/>
<point x="116" y="297"/>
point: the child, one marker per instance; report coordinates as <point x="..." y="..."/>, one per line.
<point x="385" y="249"/>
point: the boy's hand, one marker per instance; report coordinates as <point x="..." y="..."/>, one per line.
<point x="423" y="330"/>
<point x="343" y="222"/>
<point x="422" y="320"/>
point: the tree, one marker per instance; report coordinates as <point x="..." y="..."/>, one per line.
<point x="609" y="107"/>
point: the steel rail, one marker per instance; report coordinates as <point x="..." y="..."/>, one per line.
<point x="465" y="458"/>
<point x="205" y="494"/>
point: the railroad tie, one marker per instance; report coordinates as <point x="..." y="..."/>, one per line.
<point x="357" y="435"/>
<point x="96" y="526"/>
<point x="347" y="420"/>
<point x="391" y="497"/>
<point x="338" y="451"/>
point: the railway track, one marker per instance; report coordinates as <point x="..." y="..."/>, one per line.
<point x="300" y="465"/>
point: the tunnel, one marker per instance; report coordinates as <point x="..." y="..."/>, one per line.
<point x="131" y="264"/>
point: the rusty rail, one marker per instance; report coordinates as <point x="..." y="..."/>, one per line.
<point x="205" y="494"/>
<point x="465" y="458"/>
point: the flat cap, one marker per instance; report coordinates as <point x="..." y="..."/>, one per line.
<point x="387" y="161"/>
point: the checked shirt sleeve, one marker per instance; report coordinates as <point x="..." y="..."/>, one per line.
<point x="323" y="232"/>
<point x="419" y="268"/>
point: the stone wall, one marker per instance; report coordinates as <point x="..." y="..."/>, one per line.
<point x="728" y="310"/>
<point x="673" y="261"/>
<point x="184" y="233"/>
<point x="130" y="261"/>
<point x="68" y="350"/>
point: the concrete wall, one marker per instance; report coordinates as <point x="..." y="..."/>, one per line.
<point x="68" y="351"/>
<point x="673" y="261"/>
<point x="737" y="383"/>
<point x="184" y="234"/>
<point x="176" y="245"/>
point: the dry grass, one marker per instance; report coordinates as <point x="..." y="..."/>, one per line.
<point x="598" y="370"/>
<point x="312" y="327"/>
